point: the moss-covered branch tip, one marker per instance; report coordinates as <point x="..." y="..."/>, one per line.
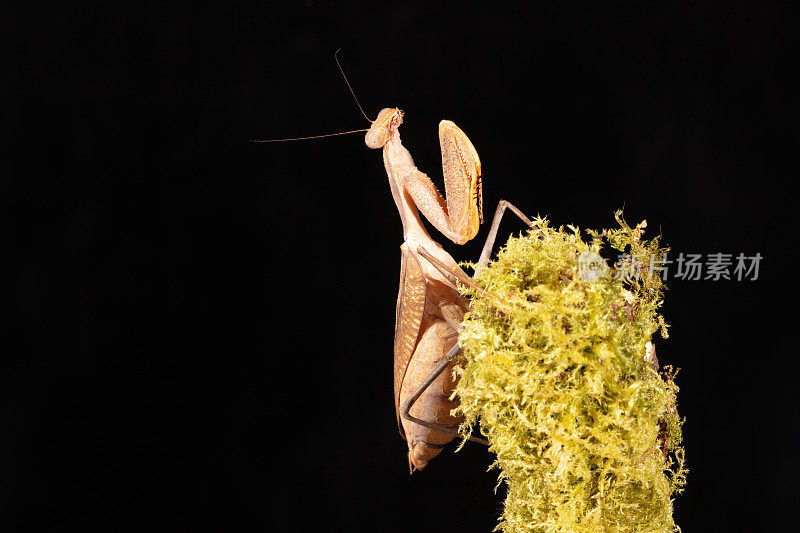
<point x="560" y="374"/>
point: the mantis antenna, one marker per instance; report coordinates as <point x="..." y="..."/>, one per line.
<point x="336" y="58"/>
<point x="305" y="138"/>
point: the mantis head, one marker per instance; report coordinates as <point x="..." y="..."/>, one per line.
<point x="389" y="119"/>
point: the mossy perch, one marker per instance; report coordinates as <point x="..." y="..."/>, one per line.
<point x="561" y="376"/>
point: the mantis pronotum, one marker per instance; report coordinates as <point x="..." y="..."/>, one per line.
<point x="430" y="307"/>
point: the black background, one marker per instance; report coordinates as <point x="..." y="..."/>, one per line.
<point x="201" y="328"/>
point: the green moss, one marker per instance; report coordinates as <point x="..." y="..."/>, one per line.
<point x="585" y="430"/>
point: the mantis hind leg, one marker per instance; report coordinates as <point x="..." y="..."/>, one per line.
<point x="421" y="444"/>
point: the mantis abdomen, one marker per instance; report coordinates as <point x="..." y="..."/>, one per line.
<point x="434" y="404"/>
<point x="437" y="336"/>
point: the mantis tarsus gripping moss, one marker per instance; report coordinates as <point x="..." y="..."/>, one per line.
<point x="430" y="307"/>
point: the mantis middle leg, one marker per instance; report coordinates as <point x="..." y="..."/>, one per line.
<point x="487" y="247"/>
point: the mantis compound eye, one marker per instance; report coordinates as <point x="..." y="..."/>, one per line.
<point x="381" y="130"/>
<point x="376" y="137"/>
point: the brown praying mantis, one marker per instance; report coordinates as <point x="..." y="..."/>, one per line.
<point x="430" y="307"/>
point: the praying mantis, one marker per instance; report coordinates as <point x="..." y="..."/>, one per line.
<point x="430" y="307"/>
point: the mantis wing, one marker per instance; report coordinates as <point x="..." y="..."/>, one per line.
<point x="408" y="320"/>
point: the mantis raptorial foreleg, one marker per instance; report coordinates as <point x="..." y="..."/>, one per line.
<point x="459" y="215"/>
